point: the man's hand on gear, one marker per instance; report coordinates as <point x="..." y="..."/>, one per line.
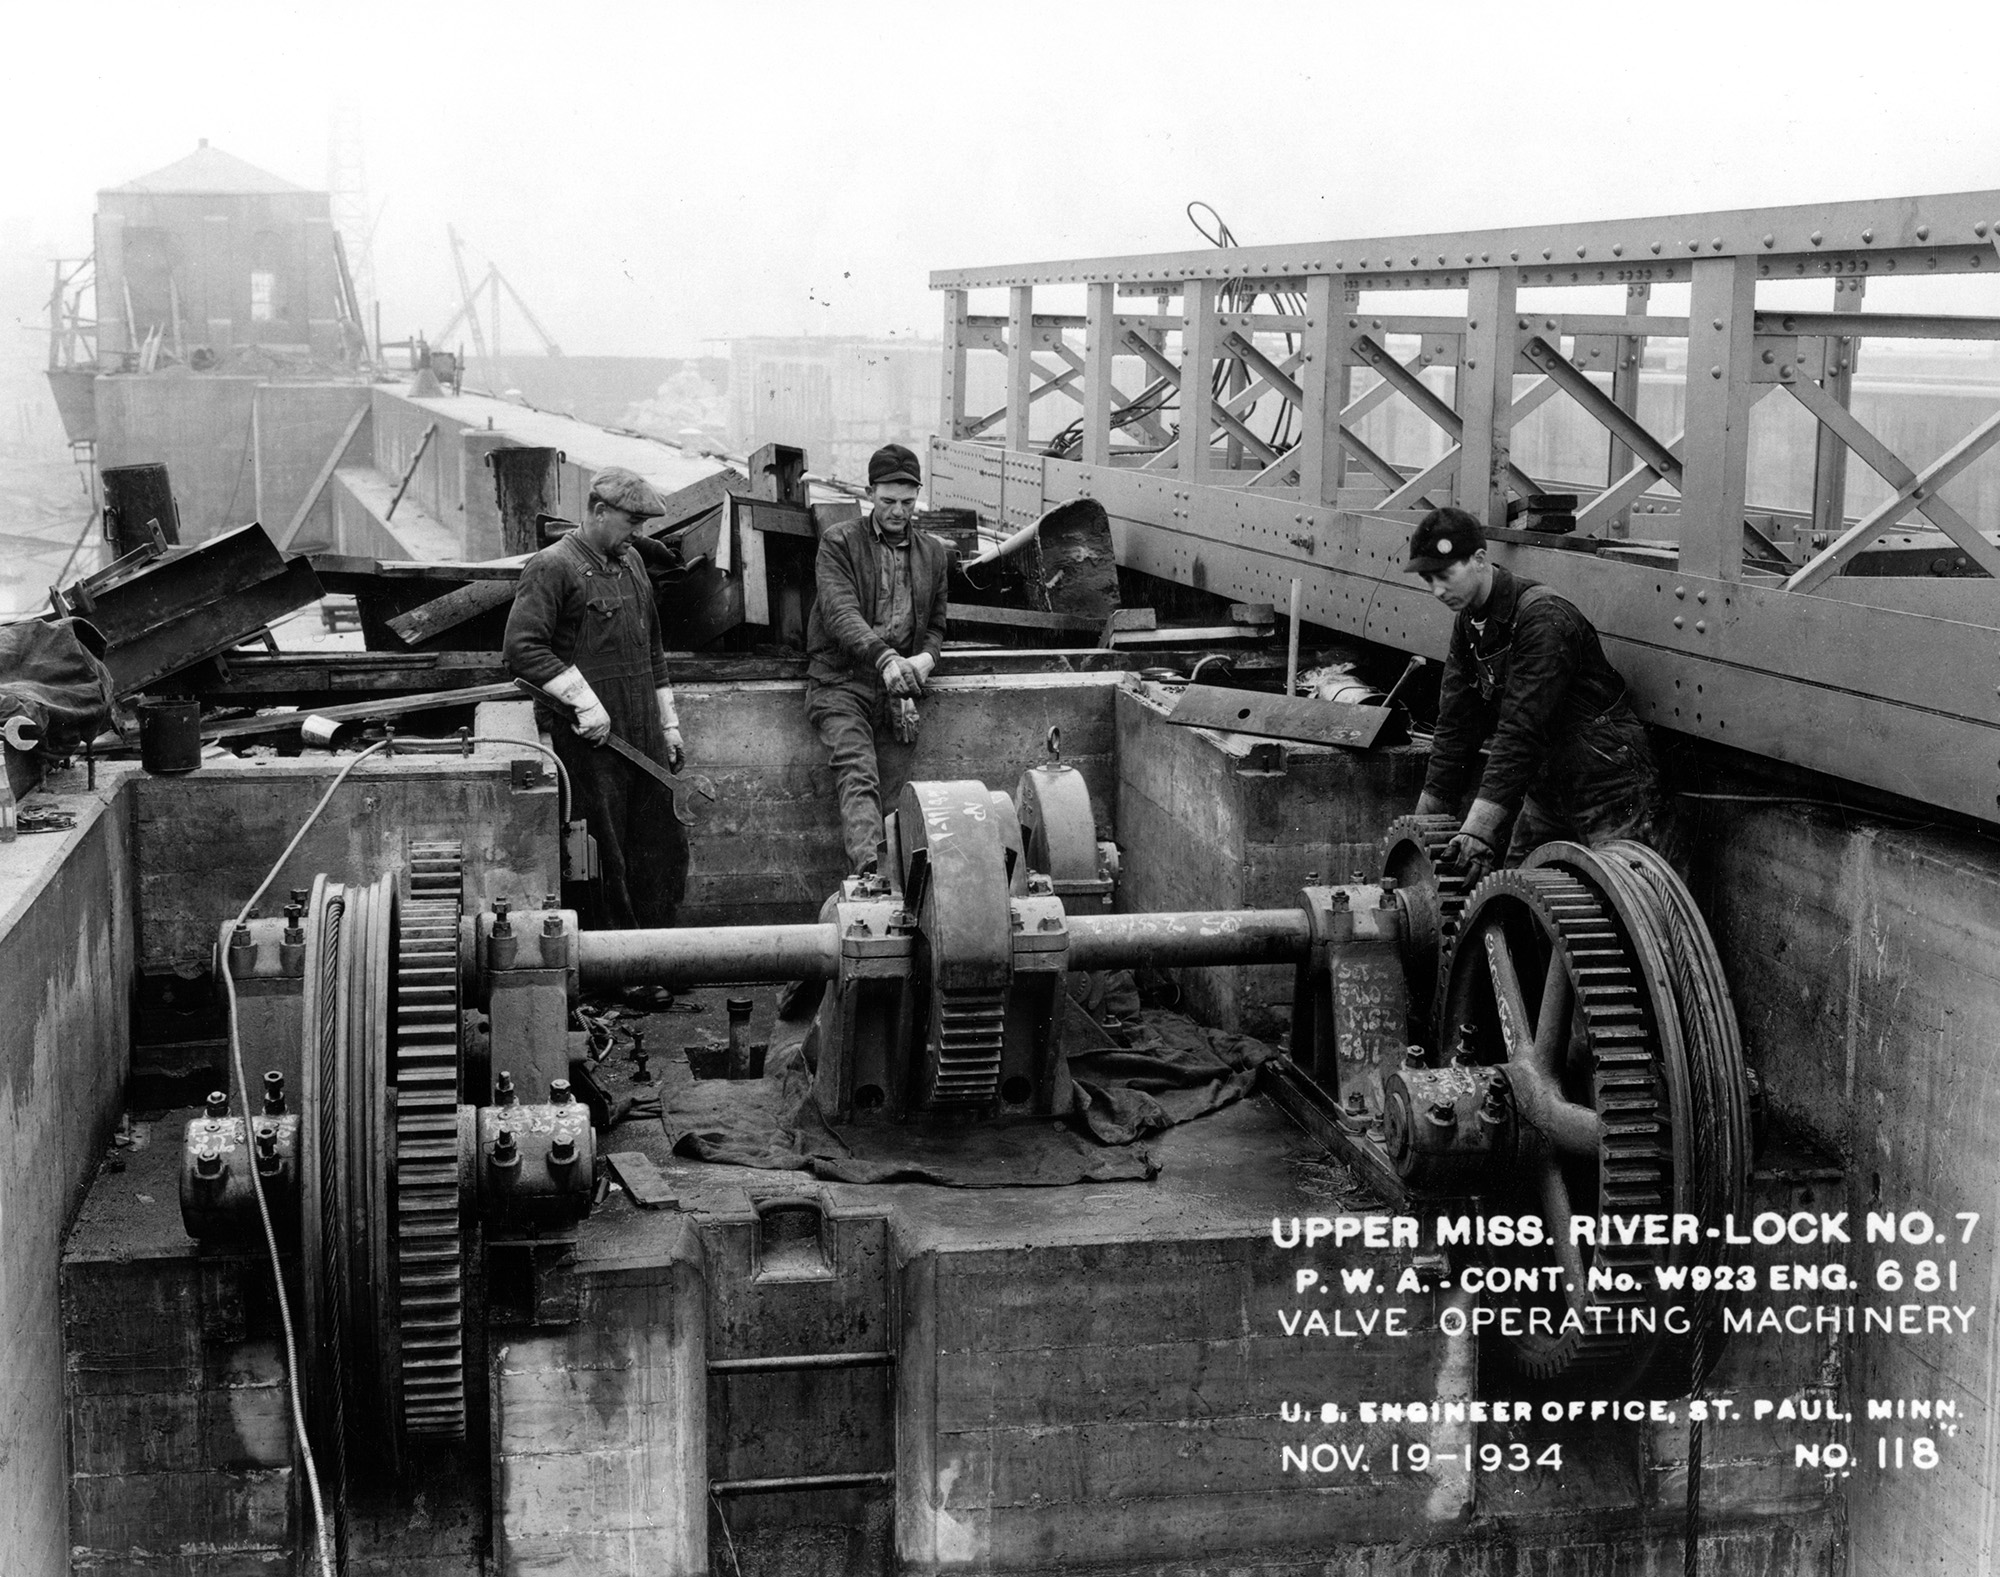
<point x="901" y="677"/>
<point x="676" y="751"/>
<point x="1474" y="855"/>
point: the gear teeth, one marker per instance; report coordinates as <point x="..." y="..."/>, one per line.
<point x="1635" y="1152"/>
<point x="429" y="1239"/>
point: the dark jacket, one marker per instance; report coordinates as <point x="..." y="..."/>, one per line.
<point x="575" y="606"/>
<point x="1534" y="687"/>
<point x="840" y="638"/>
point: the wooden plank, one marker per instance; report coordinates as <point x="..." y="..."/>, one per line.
<point x="1286" y="717"/>
<point x="433" y="618"/>
<point x="454" y="569"/>
<point x="239" y="727"/>
<point x="642" y="1180"/>
<point x="1023" y="619"/>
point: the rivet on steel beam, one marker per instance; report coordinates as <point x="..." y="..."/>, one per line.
<point x="1769" y="239"/>
<point x="1414" y="262"/>
<point x="1816" y="238"/>
<point x="1656" y="247"/>
<point x="1440" y="260"/>
<point x="1979" y="230"/>
<point x="1617" y="248"/>
<point x="1701" y="596"/>
<point x="1867" y="235"/>
<point x="1681" y="591"/>
<point x="1700" y="626"/>
<point x="1579" y="251"/>
<point x="1715" y="372"/>
<point x="1716" y="243"/>
<point x="1523" y="324"/>
<point x="1678" y="621"/>
<point x="1547" y="252"/>
<point x="1514" y="257"/>
<point x="1769" y="357"/>
<point x="1923" y="232"/>
<point x="1485" y="257"/>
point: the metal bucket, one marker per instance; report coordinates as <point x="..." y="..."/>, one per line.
<point x="170" y="736"/>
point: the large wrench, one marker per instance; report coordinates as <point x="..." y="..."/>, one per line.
<point x="678" y="786"/>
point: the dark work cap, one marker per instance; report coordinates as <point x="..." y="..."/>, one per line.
<point x="894" y="463"/>
<point x="626" y="490"/>
<point x="1443" y="538"/>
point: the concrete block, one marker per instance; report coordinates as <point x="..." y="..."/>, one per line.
<point x="1205" y="831"/>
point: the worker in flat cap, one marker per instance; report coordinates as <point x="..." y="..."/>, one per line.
<point x="586" y="629"/>
<point x="1567" y="757"/>
<point x="876" y="631"/>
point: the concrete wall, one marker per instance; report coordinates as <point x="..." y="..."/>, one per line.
<point x="202" y="842"/>
<point x="1865" y="962"/>
<point x="66" y="948"/>
<point x="768" y="851"/>
<point x="1202" y="830"/>
<point x="198" y="427"/>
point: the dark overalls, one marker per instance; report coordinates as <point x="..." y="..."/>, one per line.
<point x="575" y="606"/>
<point x="1530" y="681"/>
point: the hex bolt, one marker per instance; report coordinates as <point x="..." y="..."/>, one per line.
<point x="240" y="937"/>
<point x="505" y="1152"/>
<point x="218" y="1104"/>
<point x="274" y="1094"/>
<point x="503" y="1089"/>
<point x="301" y="896"/>
<point x="1387" y="884"/>
<point x="551" y="900"/>
<point x="1357" y="1103"/>
<point x="267" y="1138"/>
<point x="502" y="926"/>
<point x="1461" y="1049"/>
<point x="643" y="1074"/>
<point x="552" y="925"/>
<point x="208" y="1161"/>
<point x="1443" y="1113"/>
<point x="562" y="1150"/>
<point x="559" y="1094"/>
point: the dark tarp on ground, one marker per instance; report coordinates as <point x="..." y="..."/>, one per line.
<point x="1172" y="1072"/>
<point x="47" y="672"/>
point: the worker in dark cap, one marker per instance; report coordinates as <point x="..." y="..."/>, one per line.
<point x="876" y="631"/>
<point x="1567" y="757"/>
<point x="585" y="628"/>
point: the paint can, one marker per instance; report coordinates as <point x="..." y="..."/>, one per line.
<point x="170" y="735"/>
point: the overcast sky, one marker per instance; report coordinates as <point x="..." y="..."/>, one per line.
<point x="654" y="176"/>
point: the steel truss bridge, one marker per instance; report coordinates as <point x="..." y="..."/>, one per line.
<point x="1237" y="465"/>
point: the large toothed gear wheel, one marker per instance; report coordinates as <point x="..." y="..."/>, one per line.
<point x="430" y="1243"/>
<point x="1433" y="897"/>
<point x="1590" y="976"/>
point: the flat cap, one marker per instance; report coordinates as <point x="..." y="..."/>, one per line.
<point x="1443" y="538"/>
<point x="626" y="490"/>
<point x="894" y="463"/>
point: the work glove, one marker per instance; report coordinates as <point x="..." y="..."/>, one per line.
<point x="903" y="716"/>
<point x="670" y="722"/>
<point x="1429" y="804"/>
<point x="1471" y="854"/>
<point x="591" y="722"/>
<point x="900" y="676"/>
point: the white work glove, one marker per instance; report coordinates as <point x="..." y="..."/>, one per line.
<point x="900" y="676"/>
<point x="592" y="722"/>
<point x="670" y="720"/>
<point x="1429" y="804"/>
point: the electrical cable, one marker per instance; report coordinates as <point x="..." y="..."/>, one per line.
<point x="249" y="1118"/>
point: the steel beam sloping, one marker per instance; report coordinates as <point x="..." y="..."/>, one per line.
<point x="1425" y="399"/>
<point x="1602" y="409"/>
<point x="1907" y="496"/>
<point x="1880" y="459"/>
